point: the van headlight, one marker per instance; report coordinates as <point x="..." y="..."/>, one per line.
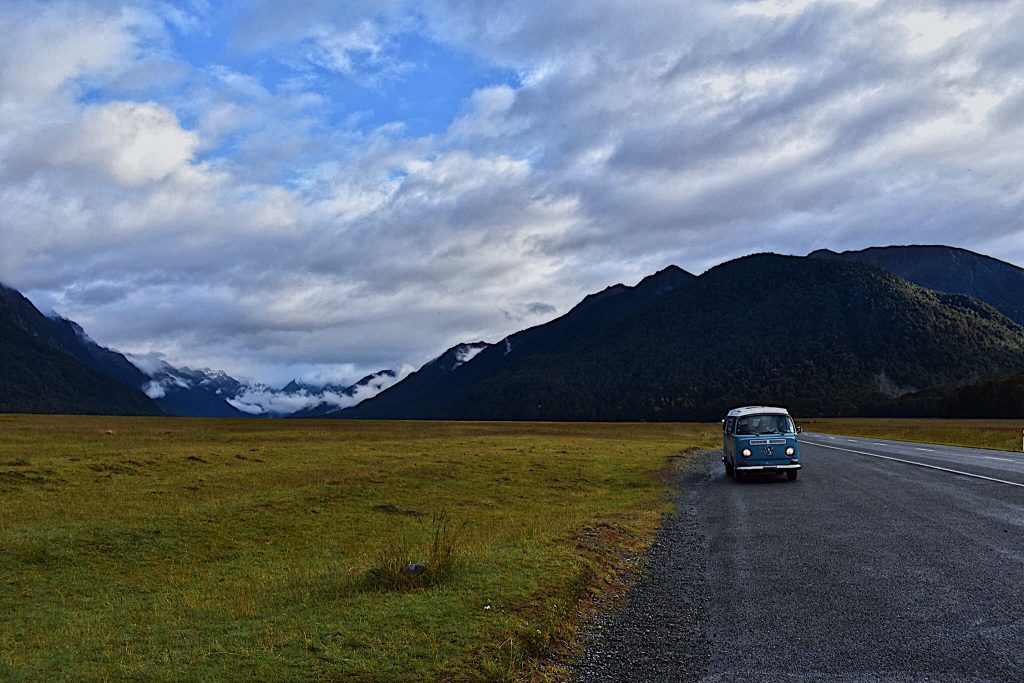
<point x="746" y="452"/>
<point x="790" y="451"/>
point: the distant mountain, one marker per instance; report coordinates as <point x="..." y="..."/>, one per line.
<point x="334" y="398"/>
<point x="295" y="386"/>
<point x="416" y="390"/>
<point x="822" y="336"/>
<point x="213" y="393"/>
<point x="174" y="391"/>
<point x="948" y="269"/>
<point x="80" y="345"/>
<point x="827" y="334"/>
<point x="78" y="376"/>
<point x="50" y="366"/>
<point x="421" y="394"/>
<point x="185" y="392"/>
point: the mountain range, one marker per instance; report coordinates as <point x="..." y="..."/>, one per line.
<point x="822" y="335"/>
<point x="50" y="365"/>
<point x="47" y="367"/>
<point x="948" y="269"/>
<point x="921" y="330"/>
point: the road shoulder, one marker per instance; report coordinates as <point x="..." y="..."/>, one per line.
<point x="659" y="632"/>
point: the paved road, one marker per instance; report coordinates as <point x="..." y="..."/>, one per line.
<point x="1007" y="467"/>
<point x="865" y="569"/>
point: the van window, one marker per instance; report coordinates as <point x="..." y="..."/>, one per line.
<point x="729" y="423"/>
<point x="765" y="424"/>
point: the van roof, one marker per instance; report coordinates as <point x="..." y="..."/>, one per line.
<point x="757" y="410"/>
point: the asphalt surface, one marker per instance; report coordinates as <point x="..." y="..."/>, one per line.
<point x="1008" y="467"/>
<point x="864" y="569"/>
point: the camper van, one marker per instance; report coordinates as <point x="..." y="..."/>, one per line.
<point x="760" y="440"/>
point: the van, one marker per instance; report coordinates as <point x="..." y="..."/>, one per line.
<point x="760" y="440"/>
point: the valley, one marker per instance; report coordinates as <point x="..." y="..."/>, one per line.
<point x="193" y="550"/>
<point x="914" y="331"/>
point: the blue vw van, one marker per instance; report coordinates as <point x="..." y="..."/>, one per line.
<point x="760" y="440"/>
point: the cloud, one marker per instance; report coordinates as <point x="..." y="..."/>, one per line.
<point x="267" y="402"/>
<point x="242" y="210"/>
<point x="264" y="401"/>
<point x="154" y="389"/>
<point x="364" y="391"/>
<point x="136" y="143"/>
<point x="149" y="363"/>
<point x="45" y="48"/>
<point x="534" y="309"/>
<point x="467" y="352"/>
<point x="353" y="39"/>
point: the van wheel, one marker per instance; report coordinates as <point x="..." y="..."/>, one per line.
<point x="791" y="475"/>
<point x="728" y="469"/>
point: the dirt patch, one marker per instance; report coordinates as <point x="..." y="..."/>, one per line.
<point x="113" y="468"/>
<point x="393" y="509"/>
<point x="24" y="477"/>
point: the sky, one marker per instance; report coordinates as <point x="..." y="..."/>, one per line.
<point x="318" y="189"/>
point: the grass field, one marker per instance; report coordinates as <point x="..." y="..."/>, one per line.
<point x="1003" y="435"/>
<point x="193" y="550"/>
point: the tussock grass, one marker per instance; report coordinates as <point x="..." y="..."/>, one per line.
<point x="401" y="566"/>
<point x="190" y="550"/>
<point x="1003" y="435"/>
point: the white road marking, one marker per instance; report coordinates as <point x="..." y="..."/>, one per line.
<point x="930" y="450"/>
<point x="992" y="457"/>
<point x="920" y="464"/>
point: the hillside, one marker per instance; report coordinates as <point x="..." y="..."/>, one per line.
<point x="179" y="391"/>
<point x="995" y="398"/>
<point x="948" y="269"/>
<point x="333" y="395"/>
<point x="462" y="367"/>
<point x="185" y="392"/>
<point x="39" y="373"/>
<point x="822" y="336"/>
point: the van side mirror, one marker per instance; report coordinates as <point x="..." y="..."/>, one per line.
<point x="799" y="430"/>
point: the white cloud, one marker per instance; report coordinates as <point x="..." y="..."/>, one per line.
<point x="150" y="363"/>
<point x="263" y="401"/>
<point x="47" y="47"/>
<point x="154" y="389"/>
<point x="929" y="30"/>
<point x="136" y="142"/>
<point x="467" y="352"/>
<point x="233" y="219"/>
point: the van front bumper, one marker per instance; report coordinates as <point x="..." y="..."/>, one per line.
<point x="766" y="468"/>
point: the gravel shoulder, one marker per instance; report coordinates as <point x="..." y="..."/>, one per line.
<point x="659" y="632"/>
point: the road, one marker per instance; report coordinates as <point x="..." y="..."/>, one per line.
<point x="864" y="569"/>
<point x="998" y="465"/>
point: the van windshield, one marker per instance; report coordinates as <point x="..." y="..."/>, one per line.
<point x="765" y="424"/>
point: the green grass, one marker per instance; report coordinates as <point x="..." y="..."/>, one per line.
<point x="191" y="550"/>
<point x="1003" y="435"/>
